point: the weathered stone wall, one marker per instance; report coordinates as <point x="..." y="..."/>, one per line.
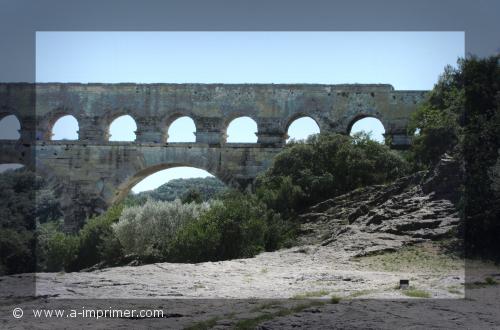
<point x="211" y="106"/>
<point x="92" y="172"/>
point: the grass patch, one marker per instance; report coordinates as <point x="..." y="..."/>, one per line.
<point x="416" y="293"/>
<point x="311" y="294"/>
<point x="427" y="257"/>
<point x="359" y="293"/>
<point x="335" y="299"/>
<point x="488" y="281"/>
<point x="264" y="306"/>
<point x="454" y="291"/>
<point x="204" y="325"/>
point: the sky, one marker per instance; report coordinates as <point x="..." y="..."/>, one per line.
<point x="406" y="60"/>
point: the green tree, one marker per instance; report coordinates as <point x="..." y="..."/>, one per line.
<point x="326" y="166"/>
<point x="192" y="196"/>
<point x="462" y="115"/>
<point x="437" y="120"/>
<point x="481" y="122"/>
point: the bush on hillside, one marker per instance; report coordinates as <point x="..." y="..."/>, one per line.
<point x="26" y="200"/>
<point x="238" y="227"/>
<point x="147" y="230"/>
<point x="325" y="166"/>
<point x="95" y="236"/>
<point x="57" y="251"/>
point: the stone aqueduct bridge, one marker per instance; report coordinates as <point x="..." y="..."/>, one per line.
<point x="91" y="173"/>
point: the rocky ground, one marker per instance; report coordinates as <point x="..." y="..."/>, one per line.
<point x="352" y="253"/>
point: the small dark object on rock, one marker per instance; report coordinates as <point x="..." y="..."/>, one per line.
<point x="404" y="284"/>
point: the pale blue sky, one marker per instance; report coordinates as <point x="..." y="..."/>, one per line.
<point x="407" y="60"/>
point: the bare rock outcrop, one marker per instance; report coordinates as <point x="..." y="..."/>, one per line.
<point x="379" y="218"/>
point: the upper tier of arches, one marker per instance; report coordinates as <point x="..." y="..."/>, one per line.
<point x="184" y="126"/>
<point x="210" y="107"/>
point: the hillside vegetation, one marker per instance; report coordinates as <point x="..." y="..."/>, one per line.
<point x="203" y="188"/>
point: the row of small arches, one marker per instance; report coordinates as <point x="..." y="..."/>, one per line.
<point x="240" y="130"/>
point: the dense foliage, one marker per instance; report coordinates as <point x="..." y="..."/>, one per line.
<point x="435" y="125"/>
<point x="94" y="243"/>
<point x="26" y="200"/>
<point x="462" y="115"/>
<point x="238" y="227"/>
<point x="148" y="230"/>
<point x="481" y="122"/>
<point x="325" y="166"/>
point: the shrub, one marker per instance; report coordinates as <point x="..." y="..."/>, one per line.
<point x="191" y="196"/>
<point x="26" y="199"/>
<point x="147" y="230"/>
<point x="44" y="234"/>
<point x="62" y="252"/>
<point x="94" y="243"/>
<point x="238" y="227"/>
<point x="16" y="248"/>
<point x="326" y="166"/>
<point x="94" y="237"/>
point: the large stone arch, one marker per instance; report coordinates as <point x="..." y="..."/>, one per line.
<point x="123" y="189"/>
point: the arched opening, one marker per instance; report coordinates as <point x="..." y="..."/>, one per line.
<point x="371" y="126"/>
<point x="122" y="129"/>
<point x="301" y="128"/>
<point x="182" y="129"/>
<point x="9" y="128"/>
<point x="10" y="167"/>
<point x="65" y="128"/>
<point x="176" y="182"/>
<point x="242" y="130"/>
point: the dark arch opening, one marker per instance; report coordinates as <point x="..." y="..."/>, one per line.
<point x="9" y="128"/>
<point x="123" y="128"/>
<point x="369" y="125"/>
<point x="301" y="128"/>
<point x="65" y="128"/>
<point x="182" y="129"/>
<point x="242" y="130"/>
